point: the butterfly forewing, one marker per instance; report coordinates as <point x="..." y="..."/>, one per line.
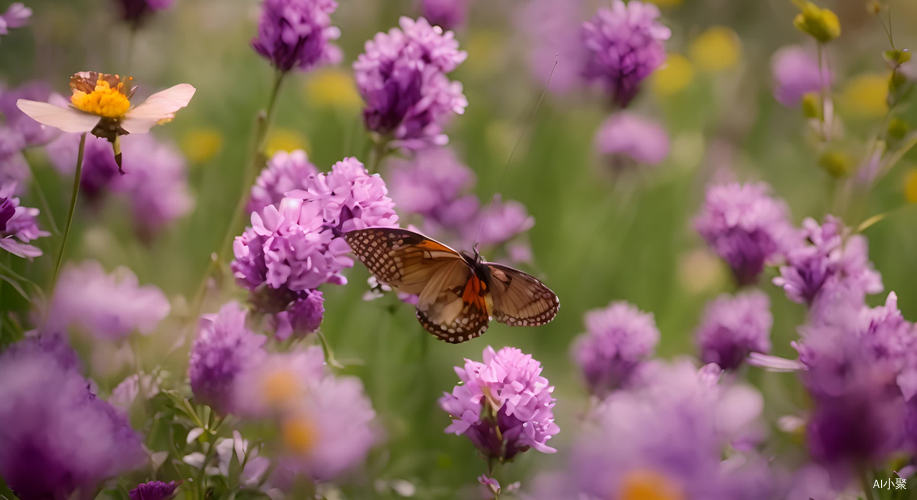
<point x="520" y="299"/>
<point x="400" y="258"/>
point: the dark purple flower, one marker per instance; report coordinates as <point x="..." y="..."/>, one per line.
<point x="745" y="226"/>
<point x="449" y="14"/>
<point x="795" y="71"/>
<point x="106" y="306"/>
<point x="154" y="490"/>
<point x="624" y="46"/>
<point x="56" y="436"/>
<point x="631" y="136"/>
<point x="827" y="257"/>
<point x="18" y="225"/>
<point x="296" y="33"/>
<point x="734" y="327"/>
<point x="301" y="316"/>
<point x="136" y="11"/>
<point x="223" y="350"/>
<point x="402" y="77"/>
<point x="618" y="339"/>
<point x="16" y="16"/>
<point x="503" y="405"/>
<point x="285" y="172"/>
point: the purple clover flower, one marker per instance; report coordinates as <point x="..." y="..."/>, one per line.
<point x="297" y="34"/>
<point x="734" y="327"/>
<point x="56" y="436"/>
<point x="624" y="46"/>
<point x="449" y="14"/>
<point x="745" y="226"/>
<point x="827" y="258"/>
<point x="153" y="490"/>
<point x="302" y="315"/>
<point x="18" y="225"/>
<point x="285" y="172"/>
<point x="795" y="71"/>
<point x="631" y="136"/>
<point x="223" y="350"/>
<point x="402" y="77"/>
<point x="503" y="405"/>
<point x="618" y="339"/>
<point x="16" y="16"/>
<point x="136" y="11"/>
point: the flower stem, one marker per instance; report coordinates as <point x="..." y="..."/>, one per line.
<point x="377" y="154"/>
<point x="74" y="193"/>
<point x="867" y="487"/>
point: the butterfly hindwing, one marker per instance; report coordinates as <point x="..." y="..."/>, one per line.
<point x="459" y="311"/>
<point x="520" y="299"/>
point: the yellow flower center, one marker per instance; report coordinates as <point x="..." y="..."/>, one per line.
<point x="299" y="435"/>
<point x="280" y="387"/>
<point x="103" y="100"/>
<point x="649" y="485"/>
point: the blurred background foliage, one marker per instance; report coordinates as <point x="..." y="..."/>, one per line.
<point x="598" y="236"/>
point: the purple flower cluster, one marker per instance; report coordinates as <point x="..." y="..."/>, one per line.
<point x="796" y="73"/>
<point x="434" y="184"/>
<point x="155" y="185"/>
<point x="618" y="339"/>
<point x="106" y="306"/>
<point x="734" y="327"/>
<point x="223" y="350"/>
<point x="296" y="245"/>
<point x="446" y="13"/>
<point x="16" y="16"/>
<point x="633" y="137"/>
<point x="136" y="11"/>
<point x="402" y="77"/>
<point x="297" y="33"/>
<point x="826" y="260"/>
<point x="745" y="226"/>
<point x="624" y="45"/>
<point x="285" y="172"/>
<point x="503" y="405"/>
<point x="18" y="225"/>
<point x="153" y="490"/>
<point x="56" y="436"/>
<point x="666" y="437"/>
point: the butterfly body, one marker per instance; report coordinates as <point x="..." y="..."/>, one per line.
<point x="457" y="293"/>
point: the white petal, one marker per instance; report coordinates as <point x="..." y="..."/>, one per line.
<point x="158" y="107"/>
<point x="64" y="118"/>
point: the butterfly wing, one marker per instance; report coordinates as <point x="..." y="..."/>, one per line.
<point x="520" y="299"/>
<point x="400" y="258"/>
<point x="455" y="305"/>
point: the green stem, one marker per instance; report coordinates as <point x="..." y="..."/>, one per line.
<point x="867" y="486"/>
<point x="377" y="154"/>
<point x="329" y="353"/>
<point x="45" y="207"/>
<point x="74" y="193"/>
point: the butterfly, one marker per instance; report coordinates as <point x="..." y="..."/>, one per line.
<point x="457" y="292"/>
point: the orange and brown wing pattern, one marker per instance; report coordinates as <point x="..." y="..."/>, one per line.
<point x="400" y="258"/>
<point x="456" y="312"/>
<point x="520" y="299"/>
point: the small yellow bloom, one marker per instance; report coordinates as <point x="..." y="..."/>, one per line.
<point x="865" y="96"/>
<point x="299" y="434"/>
<point x="280" y="387"/>
<point x="202" y="144"/>
<point x="644" y="484"/>
<point x="332" y="88"/>
<point x="284" y="139"/>
<point x="673" y="76"/>
<point x="821" y="24"/>
<point x="910" y="186"/>
<point x="716" y="49"/>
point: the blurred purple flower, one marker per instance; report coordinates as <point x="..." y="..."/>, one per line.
<point x="734" y="327"/>
<point x="552" y="31"/>
<point x="503" y="405"/>
<point x="18" y="225"/>
<point x="624" y="46"/>
<point x="402" y="77"/>
<point x="106" y="306"/>
<point x="618" y="339"/>
<point x="632" y="136"/>
<point x="795" y="71"/>
<point x="155" y="185"/>
<point x="745" y="226"/>
<point x="668" y="436"/>
<point x="136" y="11"/>
<point x="18" y="123"/>
<point x="498" y="222"/>
<point x="16" y="16"/>
<point x="284" y="172"/>
<point x="223" y="350"/>
<point x="449" y="14"/>
<point x="297" y="33"/>
<point x="154" y="490"/>
<point x="429" y="182"/>
<point x="56" y="436"/>
<point x="827" y="257"/>
<point x="301" y="316"/>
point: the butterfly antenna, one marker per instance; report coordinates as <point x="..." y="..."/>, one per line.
<point x="530" y="119"/>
